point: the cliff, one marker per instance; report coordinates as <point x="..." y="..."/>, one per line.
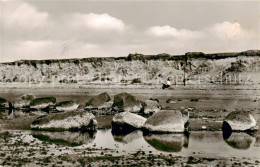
<point x="197" y="67"/>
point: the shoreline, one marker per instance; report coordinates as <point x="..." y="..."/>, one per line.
<point x="128" y="86"/>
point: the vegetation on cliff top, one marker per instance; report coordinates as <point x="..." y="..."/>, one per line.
<point x="141" y="57"/>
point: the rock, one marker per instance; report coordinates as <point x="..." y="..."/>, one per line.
<point x="204" y="127"/>
<point x="126" y="102"/>
<point x="128" y="138"/>
<point x="165" y="121"/>
<point x="126" y="122"/>
<point x="101" y="101"/>
<point x="239" y="121"/>
<point x="170" y="101"/>
<point x="67" y="106"/>
<point x="42" y="103"/>
<point x="4" y="103"/>
<point x="239" y="140"/>
<point x="256" y="99"/>
<point x="24" y="101"/>
<point x="151" y="107"/>
<point x="154" y="99"/>
<point x="68" y="121"/>
<point x="65" y="138"/>
<point x="167" y="142"/>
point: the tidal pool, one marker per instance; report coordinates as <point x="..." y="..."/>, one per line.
<point x="204" y="144"/>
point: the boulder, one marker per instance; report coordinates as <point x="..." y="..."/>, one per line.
<point x="65" y="138"/>
<point x="151" y="106"/>
<point x="42" y="103"/>
<point x="101" y="101"/>
<point x="126" y="102"/>
<point x="167" y="142"/>
<point x="24" y="101"/>
<point x="239" y="121"/>
<point x="165" y="121"/>
<point x="4" y="103"/>
<point x="68" y="121"/>
<point x="126" y="122"/>
<point x="67" y="106"/>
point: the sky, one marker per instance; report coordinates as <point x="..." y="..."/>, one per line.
<point x="58" y="29"/>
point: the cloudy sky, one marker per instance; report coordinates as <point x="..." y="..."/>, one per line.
<point x="58" y="29"/>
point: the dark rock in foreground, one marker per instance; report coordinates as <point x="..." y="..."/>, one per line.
<point x="166" y="121"/>
<point x="68" y="121"/>
<point x="42" y="103"/>
<point x="67" y="106"/>
<point x="24" y="101"/>
<point x="167" y="142"/>
<point x="126" y="102"/>
<point x="239" y="121"/>
<point x="101" y="101"/>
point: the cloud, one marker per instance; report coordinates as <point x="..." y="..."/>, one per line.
<point x="33" y="34"/>
<point x="98" y="22"/>
<point x="228" y="30"/>
<point x="22" y="15"/>
<point x="171" y="32"/>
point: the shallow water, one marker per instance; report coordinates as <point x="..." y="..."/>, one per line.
<point x="205" y="144"/>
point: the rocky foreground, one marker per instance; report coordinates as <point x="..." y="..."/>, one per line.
<point x="19" y="148"/>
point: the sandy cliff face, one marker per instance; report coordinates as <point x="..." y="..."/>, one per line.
<point x="134" y="69"/>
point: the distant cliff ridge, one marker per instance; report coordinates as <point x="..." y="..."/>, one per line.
<point x="196" y="67"/>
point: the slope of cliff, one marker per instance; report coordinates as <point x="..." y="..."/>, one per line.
<point x="196" y="67"/>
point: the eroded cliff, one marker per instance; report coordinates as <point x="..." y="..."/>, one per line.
<point x="196" y="67"/>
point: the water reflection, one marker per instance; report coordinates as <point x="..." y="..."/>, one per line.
<point x="128" y="137"/>
<point x="71" y="139"/>
<point x="168" y="142"/>
<point x="238" y="140"/>
<point x="257" y="141"/>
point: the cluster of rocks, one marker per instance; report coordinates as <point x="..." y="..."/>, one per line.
<point x="163" y="121"/>
<point x="127" y="110"/>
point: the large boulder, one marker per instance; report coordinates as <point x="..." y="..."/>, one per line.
<point x="3" y="103"/>
<point x="42" y="103"/>
<point x="65" y="138"/>
<point x="67" y="106"/>
<point x="165" y="121"/>
<point x="24" y="101"/>
<point x="68" y="121"/>
<point x="239" y="121"/>
<point x="151" y="107"/>
<point x="126" y="122"/>
<point x="101" y="101"/>
<point x="167" y="142"/>
<point x="126" y="102"/>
